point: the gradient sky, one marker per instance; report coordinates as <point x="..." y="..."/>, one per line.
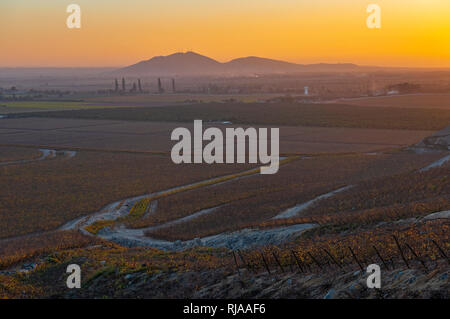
<point x="117" y="32"/>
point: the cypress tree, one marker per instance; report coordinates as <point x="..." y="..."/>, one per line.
<point x="160" y="88"/>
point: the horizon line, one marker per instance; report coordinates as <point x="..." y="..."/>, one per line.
<point x="247" y="56"/>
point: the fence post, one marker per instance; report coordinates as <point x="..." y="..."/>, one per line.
<point x="392" y="262"/>
<point x="417" y="257"/>
<point x="356" y="259"/>
<point x="278" y="262"/>
<point x="441" y="251"/>
<point x="245" y="263"/>
<point x="265" y="262"/>
<point x="298" y="261"/>
<point x="381" y="258"/>
<point x="401" y="251"/>
<point x="314" y="259"/>
<point x="332" y="258"/>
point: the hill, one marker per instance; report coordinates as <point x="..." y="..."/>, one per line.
<point x="194" y="64"/>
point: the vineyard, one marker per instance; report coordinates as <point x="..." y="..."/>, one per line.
<point x="420" y="252"/>
<point x="280" y="114"/>
<point x="416" y="246"/>
<point x="154" y="137"/>
<point x="12" y="154"/>
<point x="17" y="250"/>
<point x="436" y="101"/>
<point x="222" y="230"/>
<point x="313" y="147"/>
<point x="249" y="204"/>
<point x="42" y="196"/>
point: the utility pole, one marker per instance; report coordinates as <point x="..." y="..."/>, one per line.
<point x="123" y="84"/>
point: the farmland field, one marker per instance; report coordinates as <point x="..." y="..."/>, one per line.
<point x="349" y="175"/>
<point x="255" y="199"/>
<point x="155" y="136"/>
<point x="43" y="195"/>
<point x="420" y="101"/>
<point x="280" y="114"/>
<point x="12" y="154"/>
<point x="11" y="107"/>
<point x="170" y="99"/>
<point x="302" y="153"/>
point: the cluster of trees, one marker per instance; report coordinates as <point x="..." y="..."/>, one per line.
<point x="137" y="86"/>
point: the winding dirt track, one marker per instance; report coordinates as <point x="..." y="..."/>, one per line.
<point x="45" y="154"/>
<point x="293" y="211"/>
<point x="238" y="239"/>
<point x="119" y="209"/>
<point x="136" y="237"/>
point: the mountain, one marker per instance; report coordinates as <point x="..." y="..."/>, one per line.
<point x="189" y="63"/>
<point x="257" y="65"/>
<point x="194" y="64"/>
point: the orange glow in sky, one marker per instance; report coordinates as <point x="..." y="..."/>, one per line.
<point x="115" y="33"/>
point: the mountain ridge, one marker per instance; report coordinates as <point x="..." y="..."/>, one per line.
<point x="191" y="64"/>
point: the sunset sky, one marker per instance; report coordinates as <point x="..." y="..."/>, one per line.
<point x="116" y="32"/>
